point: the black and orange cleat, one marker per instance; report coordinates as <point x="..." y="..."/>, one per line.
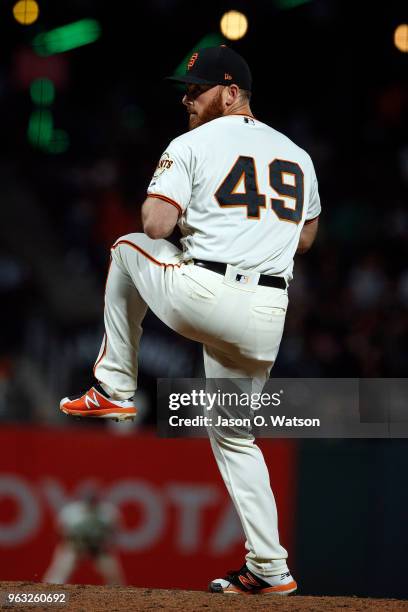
<point x="245" y="582"/>
<point x="95" y="403"/>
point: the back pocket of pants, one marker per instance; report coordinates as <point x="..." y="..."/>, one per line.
<point x="269" y="312"/>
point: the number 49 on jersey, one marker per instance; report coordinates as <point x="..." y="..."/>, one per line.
<point x="244" y="170"/>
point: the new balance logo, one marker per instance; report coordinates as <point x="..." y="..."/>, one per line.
<point x="248" y="581"/>
<point x="93" y="401"/>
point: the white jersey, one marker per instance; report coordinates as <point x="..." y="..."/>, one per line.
<point x="80" y="519"/>
<point x="244" y="192"/>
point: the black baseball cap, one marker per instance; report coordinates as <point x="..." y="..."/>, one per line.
<point x="216" y="66"/>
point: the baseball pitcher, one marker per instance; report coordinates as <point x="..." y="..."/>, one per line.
<point x="246" y="200"/>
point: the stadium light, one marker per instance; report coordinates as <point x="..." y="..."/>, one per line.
<point x="41" y="133"/>
<point x="401" y="37"/>
<point x="67" y="37"/>
<point x="26" y="12"/>
<point x="234" y="25"/>
<point x="40" y="127"/>
<point x="42" y="92"/>
<point x="288" y="4"/>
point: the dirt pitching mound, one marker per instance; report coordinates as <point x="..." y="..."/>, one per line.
<point x="90" y="598"/>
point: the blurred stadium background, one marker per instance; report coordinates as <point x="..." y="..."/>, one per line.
<point x="85" y="115"/>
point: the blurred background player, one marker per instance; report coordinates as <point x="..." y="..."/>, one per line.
<point x="87" y="528"/>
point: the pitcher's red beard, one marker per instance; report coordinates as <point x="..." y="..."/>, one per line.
<point x="213" y="110"/>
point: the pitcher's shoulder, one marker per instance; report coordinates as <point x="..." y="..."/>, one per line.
<point x="287" y="144"/>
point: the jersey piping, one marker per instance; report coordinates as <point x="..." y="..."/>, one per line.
<point x="310" y="220"/>
<point x="160" y="196"/>
<point x="142" y="252"/>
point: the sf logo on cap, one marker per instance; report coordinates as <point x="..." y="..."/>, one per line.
<point x="192" y="61"/>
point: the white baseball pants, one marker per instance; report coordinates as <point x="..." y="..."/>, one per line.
<point x="240" y="330"/>
<point x="67" y="557"/>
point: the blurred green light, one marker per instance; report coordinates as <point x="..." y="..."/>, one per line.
<point x="67" y="37"/>
<point x="211" y="40"/>
<point x="42" y="92"/>
<point x="40" y="127"/>
<point x="58" y="143"/>
<point x="288" y="4"/>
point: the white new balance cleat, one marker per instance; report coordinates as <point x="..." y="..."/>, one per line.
<point x="245" y="582"/>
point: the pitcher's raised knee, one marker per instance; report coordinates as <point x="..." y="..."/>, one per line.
<point x="136" y="239"/>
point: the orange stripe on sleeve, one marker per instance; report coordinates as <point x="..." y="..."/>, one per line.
<point x="159" y="196"/>
<point x="311" y="220"/>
